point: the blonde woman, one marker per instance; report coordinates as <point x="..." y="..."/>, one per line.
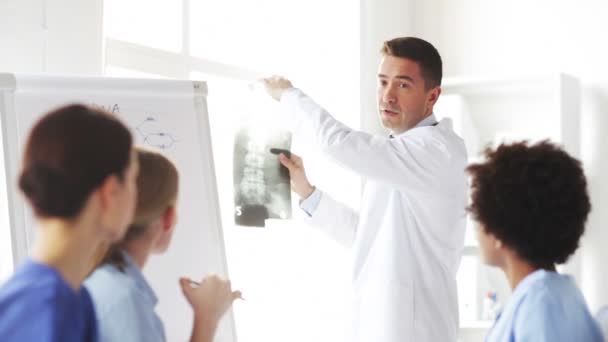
<point x="124" y="300"/>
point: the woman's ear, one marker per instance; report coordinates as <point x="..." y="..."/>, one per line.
<point x="167" y="223"/>
<point x="169" y="218"/>
<point x="108" y="190"/>
<point x="108" y="205"/>
<point x="497" y="243"/>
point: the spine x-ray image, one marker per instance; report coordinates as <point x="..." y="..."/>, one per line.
<point x="261" y="184"/>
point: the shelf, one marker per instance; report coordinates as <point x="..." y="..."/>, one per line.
<point x="539" y="83"/>
<point x="488" y="111"/>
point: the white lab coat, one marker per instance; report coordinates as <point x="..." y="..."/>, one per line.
<point x="408" y="236"/>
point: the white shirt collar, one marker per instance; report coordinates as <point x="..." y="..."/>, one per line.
<point x="140" y="281"/>
<point x="428" y="121"/>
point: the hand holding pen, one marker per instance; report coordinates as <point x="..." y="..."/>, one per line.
<point x="211" y="298"/>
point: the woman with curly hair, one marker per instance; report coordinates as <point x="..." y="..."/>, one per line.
<point x="531" y="203"/>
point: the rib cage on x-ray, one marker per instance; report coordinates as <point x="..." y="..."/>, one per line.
<point x="261" y="184"/>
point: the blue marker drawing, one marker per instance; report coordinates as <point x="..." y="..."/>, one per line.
<point x="153" y="135"/>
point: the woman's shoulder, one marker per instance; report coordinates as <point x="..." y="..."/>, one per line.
<point x="554" y="306"/>
<point x="108" y="286"/>
<point x="551" y="286"/>
<point x="35" y="282"/>
<point x="36" y="300"/>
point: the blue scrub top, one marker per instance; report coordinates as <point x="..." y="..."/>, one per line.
<point x="36" y="304"/>
<point x="545" y="307"/>
<point x="125" y="304"/>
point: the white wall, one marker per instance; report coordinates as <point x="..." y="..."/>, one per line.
<point x="485" y="38"/>
<point x="381" y="20"/>
<point x="56" y="36"/>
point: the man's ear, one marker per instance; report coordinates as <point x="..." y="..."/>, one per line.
<point x="169" y="218"/>
<point x="433" y="96"/>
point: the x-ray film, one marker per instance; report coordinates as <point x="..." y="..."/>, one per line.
<point x="261" y="184"/>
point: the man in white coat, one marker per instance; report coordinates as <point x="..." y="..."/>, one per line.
<point x="408" y="235"/>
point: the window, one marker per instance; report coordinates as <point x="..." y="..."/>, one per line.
<point x="151" y="23"/>
<point x="294" y="279"/>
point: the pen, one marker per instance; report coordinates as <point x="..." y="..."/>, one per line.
<point x="277" y="151"/>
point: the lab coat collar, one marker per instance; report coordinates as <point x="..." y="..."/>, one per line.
<point x="428" y="121"/>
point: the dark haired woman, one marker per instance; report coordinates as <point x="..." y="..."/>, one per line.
<point x="78" y="175"/>
<point x="531" y="204"/>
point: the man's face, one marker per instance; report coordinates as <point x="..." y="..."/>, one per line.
<point x="403" y="100"/>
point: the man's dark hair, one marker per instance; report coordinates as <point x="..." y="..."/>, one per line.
<point x="419" y="51"/>
<point x="533" y="198"/>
